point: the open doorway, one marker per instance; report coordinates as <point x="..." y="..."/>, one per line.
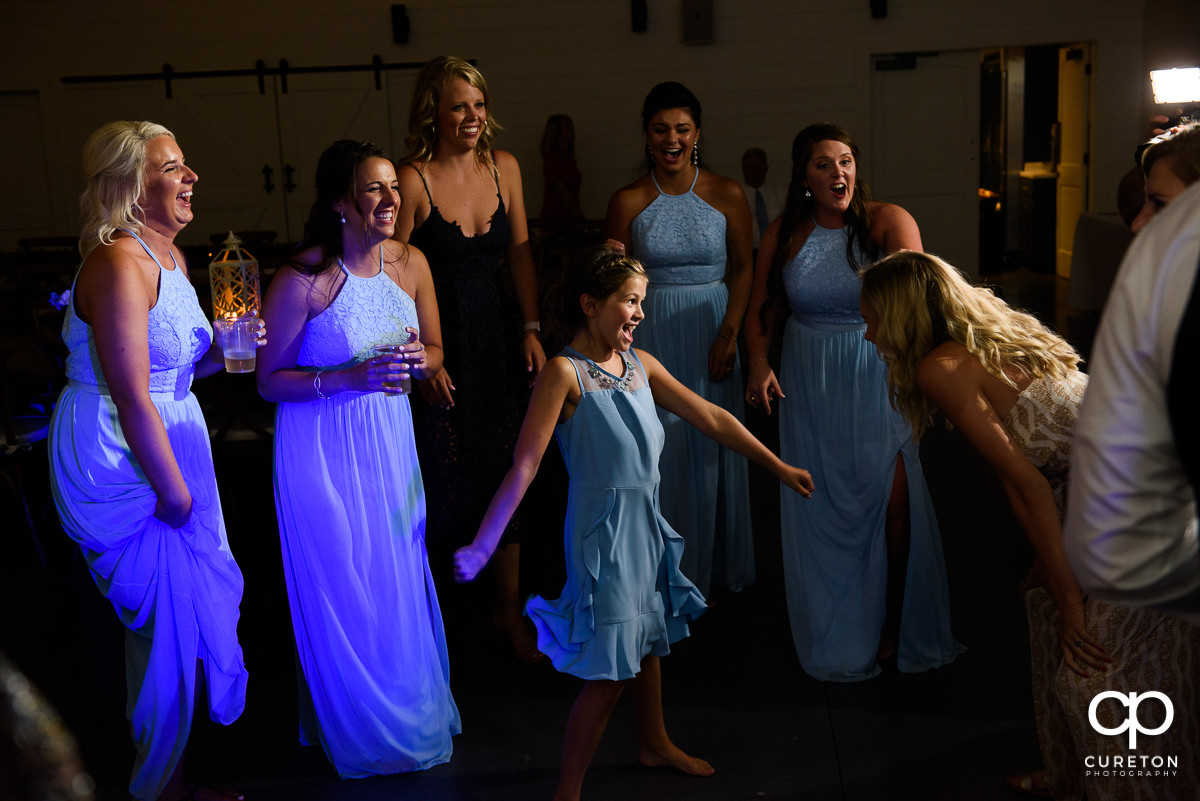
<point x="988" y="149"/>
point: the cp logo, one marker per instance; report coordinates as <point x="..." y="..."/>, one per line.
<point x="1131" y="723"/>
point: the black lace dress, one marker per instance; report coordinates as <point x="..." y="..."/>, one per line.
<point x="466" y="450"/>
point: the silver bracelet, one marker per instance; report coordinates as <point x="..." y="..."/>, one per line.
<point x="317" y="385"/>
<point x="534" y="326"/>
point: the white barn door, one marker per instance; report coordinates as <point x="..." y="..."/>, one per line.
<point x="925" y="147"/>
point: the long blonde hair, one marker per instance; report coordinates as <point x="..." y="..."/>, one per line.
<point x="921" y="301"/>
<point x="422" y="114"/>
<point x="114" y="169"/>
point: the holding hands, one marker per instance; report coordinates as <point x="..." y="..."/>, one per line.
<point x="469" y="560"/>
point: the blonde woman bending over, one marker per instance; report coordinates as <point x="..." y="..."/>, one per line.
<point x="1013" y="388"/>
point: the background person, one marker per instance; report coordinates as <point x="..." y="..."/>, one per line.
<point x="561" y="179"/>
<point x="764" y="197"/>
<point x="348" y="492"/>
<point x="472" y="408"/>
<point x="131" y="467"/>
<point x="863" y="561"/>
<point x="691" y="228"/>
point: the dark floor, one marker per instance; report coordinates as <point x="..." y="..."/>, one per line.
<point x="734" y="692"/>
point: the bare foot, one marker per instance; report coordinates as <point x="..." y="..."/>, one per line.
<point x="671" y="757"/>
<point x="524" y="644"/>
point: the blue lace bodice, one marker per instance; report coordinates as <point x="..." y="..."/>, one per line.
<point x="366" y="312"/>
<point x="821" y="287"/>
<point x="178" y="334"/>
<point x="680" y="239"/>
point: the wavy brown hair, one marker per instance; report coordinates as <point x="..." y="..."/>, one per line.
<point x="798" y="208"/>
<point x="337" y="178"/>
<point x="921" y="301"/>
<point x="422" y="114"/>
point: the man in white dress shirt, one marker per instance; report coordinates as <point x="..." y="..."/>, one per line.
<point x="1131" y="527"/>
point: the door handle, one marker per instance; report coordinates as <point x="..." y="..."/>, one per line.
<point x="268" y="187"/>
<point x="289" y="173"/>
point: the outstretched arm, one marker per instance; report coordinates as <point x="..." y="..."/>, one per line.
<point x="719" y="425"/>
<point x="550" y="396"/>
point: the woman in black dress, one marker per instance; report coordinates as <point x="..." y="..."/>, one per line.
<point x="463" y="207"/>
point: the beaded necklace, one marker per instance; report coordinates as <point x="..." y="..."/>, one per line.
<point x="609" y="381"/>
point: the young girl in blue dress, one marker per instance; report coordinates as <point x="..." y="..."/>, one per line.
<point x="625" y="599"/>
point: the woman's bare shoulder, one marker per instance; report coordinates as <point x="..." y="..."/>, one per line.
<point x="628" y="201"/>
<point x="949" y="360"/>
<point x="505" y="160"/>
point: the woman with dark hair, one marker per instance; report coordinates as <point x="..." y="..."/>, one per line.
<point x="692" y="230"/>
<point x="464" y="208"/>
<point x="863" y="561"/>
<point x="131" y="466"/>
<point x="348" y="492"/>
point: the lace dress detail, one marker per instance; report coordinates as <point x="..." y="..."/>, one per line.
<point x="681" y="240"/>
<point x="821" y="287"/>
<point x="1043" y="421"/>
<point x="178" y="334"/>
<point x="374" y="311"/>
<point x="483" y="358"/>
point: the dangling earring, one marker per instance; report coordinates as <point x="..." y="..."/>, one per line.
<point x="342" y="214"/>
<point x="696" y="154"/>
<point x="807" y="193"/>
<point x="649" y="156"/>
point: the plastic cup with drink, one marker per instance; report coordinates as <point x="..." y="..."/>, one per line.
<point x="238" y="340"/>
<point x="404" y="385"/>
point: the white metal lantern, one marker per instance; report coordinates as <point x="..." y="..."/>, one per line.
<point x="233" y="278"/>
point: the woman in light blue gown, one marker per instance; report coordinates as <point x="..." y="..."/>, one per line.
<point x="692" y="230"/>
<point x="348" y="492"/>
<point x="863" y="563"/>
<point x="625" y="599"/>
<point x="130" y="464"/>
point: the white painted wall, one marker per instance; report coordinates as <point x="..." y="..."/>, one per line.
<point x="775" y="66"/>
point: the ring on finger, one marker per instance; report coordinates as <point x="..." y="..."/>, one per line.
<point x="1079" y="643"/>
